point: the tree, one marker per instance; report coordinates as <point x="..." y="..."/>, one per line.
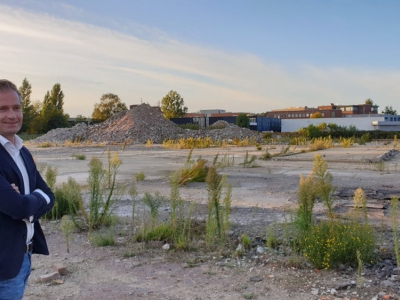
<point x="369" y="101"/>
<point x="52" y="112"/>
<point x="243" y="120"/>
<point x="172" y="106"/>
<point x="389" y="110"/>
<point x="109" y="105"/>
<point x="316" y="115"/>
<point x="28" y="109"/>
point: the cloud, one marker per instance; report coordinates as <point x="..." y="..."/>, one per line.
<point x="88" y="61"/>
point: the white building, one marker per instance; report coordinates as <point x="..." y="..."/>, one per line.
<point x="361" y="122"/>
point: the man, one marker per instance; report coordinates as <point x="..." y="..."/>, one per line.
<point x="24" y="198"/>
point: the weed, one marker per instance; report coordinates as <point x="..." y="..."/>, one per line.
<point x="79" y="156"/>
<point x="272" y="240"/>
<point x="394" y="216"/>
<point x="365" y="138"/>
<point x="359" y="269"/>
<point x="248" y="296"/>
<point x="320" y="143"/>
<point x="249" y="163"/>
<point x="346" y="142"/>
<point x="380" y="166"/>
<point x="51" y="176"/>
<point x="266" y="155"/>
<point x="306" y="195"/>
<point x="193" y="170"/>
<point x="67" y="228"/>
<point x="324" y="188"/>
<point x="226" y="161"/>
<point x="395" y="142"/>
<point x="101" y="199"/>
<point x="129" y="254"/>
<point x="162" y="232"/>
<point x="190" y="126"/>
<point x="149" y="143"/>
<point x="103" y="239"/>
<point x="45" y="145"/>
<point x="332" y="242"/>
<point x="216" y="126"/>
<point x="140" y="176"/>
<point x="360" y="201"/>
<point x="217" y="221"/>
<point x="153" y="202"/>
<point x="246" y="241"/>
<point x="133" y="194"/>
<point x="68" y="197"/>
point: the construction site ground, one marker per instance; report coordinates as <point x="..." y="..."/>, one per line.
<point x="261" y="196"/>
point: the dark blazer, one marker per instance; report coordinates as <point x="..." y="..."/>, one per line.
<point x="14" y="207"/>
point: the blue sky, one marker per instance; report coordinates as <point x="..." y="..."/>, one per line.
<point x="250" y="56"/>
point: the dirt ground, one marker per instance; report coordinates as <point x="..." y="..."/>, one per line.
<point x="261" y="196"/>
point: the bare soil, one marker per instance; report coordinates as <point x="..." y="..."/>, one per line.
<point x="262" y="196"/>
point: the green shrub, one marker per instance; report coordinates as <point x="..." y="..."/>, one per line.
<point x="330" y="243"/>
<point x="140" y="176"/>
<point x="103" y="239"/>
<point x="243" y="121"/>
<point x="162" y="232"/>
<point x="79" y="156"/>
<point x="68" y="198"/>
<point x="365" y="138"/>
<point x="190" y="126"/>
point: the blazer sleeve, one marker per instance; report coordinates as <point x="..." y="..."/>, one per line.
<point x="19" y="206"/>
<point x="41" y="184"/>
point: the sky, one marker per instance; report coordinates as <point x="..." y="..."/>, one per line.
<point x="241" y="56"/>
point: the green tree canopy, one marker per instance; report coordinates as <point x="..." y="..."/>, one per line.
<point x="243" y="120"/>
<point x="109" y="105"/>
<point x="172" y="106"/>
<point x="369" y="101"/>
<point x="52" y="112"/>
<point x="28" y="109"/>
<point x="389" y="110"/>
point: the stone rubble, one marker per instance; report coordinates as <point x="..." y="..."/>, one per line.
<point x="139" y="125"/>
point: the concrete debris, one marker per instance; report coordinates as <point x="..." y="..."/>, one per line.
<point x="139" y="125"/>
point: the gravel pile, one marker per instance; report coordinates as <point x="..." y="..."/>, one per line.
<point x="138" y="125"/>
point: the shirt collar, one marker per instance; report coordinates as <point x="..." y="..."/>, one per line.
<point x="18" y="141"/>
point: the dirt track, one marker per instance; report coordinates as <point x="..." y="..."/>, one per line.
<point x="103" y="273"/>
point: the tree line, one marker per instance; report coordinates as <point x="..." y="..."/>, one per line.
<point x="43" y="116"/>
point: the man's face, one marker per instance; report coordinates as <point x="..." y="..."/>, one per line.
<point x="10" y="114"/>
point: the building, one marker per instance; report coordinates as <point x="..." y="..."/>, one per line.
<point x="361" y="122"/>
<point x="326" y="111"/>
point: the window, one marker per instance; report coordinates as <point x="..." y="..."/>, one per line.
<point x="323" y="114"/>
<point x="307" y="115"/>
<point x="333" y="114"/>
<point x="391" y="118"/>
<point x="296" y="115"/>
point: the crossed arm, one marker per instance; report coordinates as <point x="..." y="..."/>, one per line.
<point x="18" y="206"/>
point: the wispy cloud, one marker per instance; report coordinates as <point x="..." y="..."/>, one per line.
<point x="89" y="61"/>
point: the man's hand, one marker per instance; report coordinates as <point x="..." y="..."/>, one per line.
<point x="15" y="187"/>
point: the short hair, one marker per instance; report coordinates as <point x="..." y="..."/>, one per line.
<point x="7" y="85"/>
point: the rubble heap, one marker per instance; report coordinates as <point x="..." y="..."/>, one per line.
<point x="138" y="125"/>
<point x="61" y="135"/>
<point x="228" y="133"/>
